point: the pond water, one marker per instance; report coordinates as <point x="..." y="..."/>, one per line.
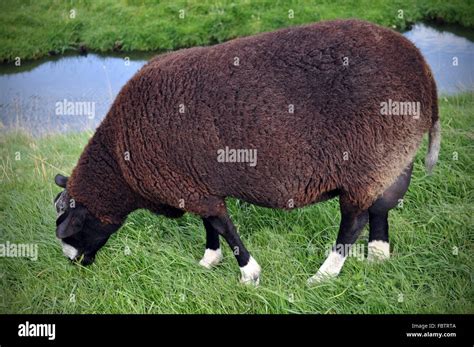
<point x="74" y="92"/>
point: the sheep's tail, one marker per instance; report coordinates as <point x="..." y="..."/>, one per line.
<point x="434" y="134"/>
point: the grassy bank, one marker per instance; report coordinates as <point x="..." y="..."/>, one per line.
<point x="151" y="264"/>
<point x="32" y="29"/>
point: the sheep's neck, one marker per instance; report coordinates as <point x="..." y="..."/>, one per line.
<point x="97" y="183"/>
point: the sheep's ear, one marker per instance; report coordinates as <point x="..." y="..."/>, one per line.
<point x="70" y="223"/>
<point x="60" y="180"/>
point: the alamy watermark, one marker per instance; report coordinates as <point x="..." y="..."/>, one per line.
<point x="350" y="250"/>
<point x="400" y="108"/>
<point x="75" y="108"/>
<point x="19" y="250"/>
<point x="232" y="155"/>
<point x="28" y="329"/>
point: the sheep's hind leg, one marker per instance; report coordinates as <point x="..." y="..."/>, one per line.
<point x="379" y="246"/>
<point x="213" y="253"/>
<point x="249" y="268"/>
<point x="353" y="221"/>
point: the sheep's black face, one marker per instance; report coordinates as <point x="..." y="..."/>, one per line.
<point x="80" y="232"/>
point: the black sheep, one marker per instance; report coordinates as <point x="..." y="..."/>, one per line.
<point x="282" y="119"/>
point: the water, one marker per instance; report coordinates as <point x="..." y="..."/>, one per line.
<point x="30" y="93"/>
<point x="450" y="54"/>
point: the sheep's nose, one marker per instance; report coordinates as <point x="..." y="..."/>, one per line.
<point x="69" y="251"/>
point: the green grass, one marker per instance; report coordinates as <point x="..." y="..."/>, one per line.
<point x="31" y="29"/>
<point x="424" y="275"/>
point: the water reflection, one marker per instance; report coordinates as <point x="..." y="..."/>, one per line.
<point x="450" y="56"/>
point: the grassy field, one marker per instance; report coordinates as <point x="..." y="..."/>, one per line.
<point x="31" y="29"/>
<point x="150" y="265"/>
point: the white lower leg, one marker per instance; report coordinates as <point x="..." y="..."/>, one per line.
<point x="378" y="250"/>
<point x="330" y="268"/>
<point x="250" y="272"/>
<point x="211" y="258"/>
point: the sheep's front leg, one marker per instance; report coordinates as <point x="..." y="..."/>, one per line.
<point x="212" y="254"/>
<point x="249" y="268"/>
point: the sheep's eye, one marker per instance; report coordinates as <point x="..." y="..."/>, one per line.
<point x="60" y="203"/>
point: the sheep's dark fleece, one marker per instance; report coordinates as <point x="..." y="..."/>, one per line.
<point x="157" y="147"/>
